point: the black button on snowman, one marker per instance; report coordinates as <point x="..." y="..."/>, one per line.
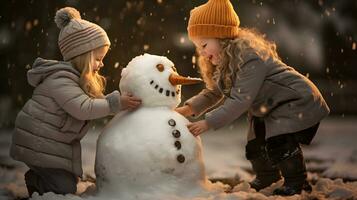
<point x="176" y="134"/>
<point x="178" y="145"/>
<point x="172" y="122"/>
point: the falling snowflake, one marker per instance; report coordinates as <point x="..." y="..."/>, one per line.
<point x="146" y="47"/>
<point x="182" y="40"/>
<point x="263" y="109"/>
<point x="193" y="59"/>
<point x="116" y="65"/>
<point x="300" y="115"/>
<point x="28" y="26"/>
<point x="35" y="22"/>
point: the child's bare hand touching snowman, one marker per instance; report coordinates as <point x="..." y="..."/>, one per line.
<point x="129" y="102"/>
<point x="196" y="128"/>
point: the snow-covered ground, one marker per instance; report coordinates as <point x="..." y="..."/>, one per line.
<point x="331" y="162"/>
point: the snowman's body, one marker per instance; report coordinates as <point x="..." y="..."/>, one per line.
<point x="149" y="151"/>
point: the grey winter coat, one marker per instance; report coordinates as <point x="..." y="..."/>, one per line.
<point x="51" y="124"/>
<point x="287" y="100"/>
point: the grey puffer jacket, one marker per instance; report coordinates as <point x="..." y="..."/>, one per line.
<point x="287" y="100"/>
<point x="51" y="124"/>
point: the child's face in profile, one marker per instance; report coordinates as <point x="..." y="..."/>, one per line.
<point x="98" y="56"/>
<point x="209" y="48"/>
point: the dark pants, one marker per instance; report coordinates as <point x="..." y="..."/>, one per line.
<point x="44" y="180"/>
<point x="278" y="146"/>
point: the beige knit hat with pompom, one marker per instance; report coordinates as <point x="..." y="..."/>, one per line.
<point x="78" y="36"/>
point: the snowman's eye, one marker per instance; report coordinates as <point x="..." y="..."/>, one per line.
<point x="173" y="68"/>
<point x="160" y="67"/>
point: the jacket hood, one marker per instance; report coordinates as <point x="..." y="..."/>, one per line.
<point x="43" y="68"/>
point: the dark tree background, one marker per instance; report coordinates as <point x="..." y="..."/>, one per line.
<point x="317" y="37"/>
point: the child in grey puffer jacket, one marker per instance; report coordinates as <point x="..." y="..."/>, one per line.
<point x="67" y="95"/>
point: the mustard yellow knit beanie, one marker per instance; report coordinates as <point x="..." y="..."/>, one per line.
<point x="216" y="19"/>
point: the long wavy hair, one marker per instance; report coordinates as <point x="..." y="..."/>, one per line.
<point x="232" y="57"/>
<point x="92" y="83"/>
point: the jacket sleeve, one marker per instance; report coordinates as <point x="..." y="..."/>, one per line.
<point x="203" y="101"/>
<point x="248" y="82"/>
<point x="70" y="96"/>
<point x="114" y="101"/>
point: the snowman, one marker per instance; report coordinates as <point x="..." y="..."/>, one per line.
<point x="149" y="153"/>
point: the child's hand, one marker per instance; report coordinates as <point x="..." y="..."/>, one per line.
<point x="184" y="110"/>
<point x="128" y="101"/>
<point x="198" y="127"/>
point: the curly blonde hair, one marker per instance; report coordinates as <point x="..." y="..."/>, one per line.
<point x="92" y="83"/>
<point x="233" y="50"/>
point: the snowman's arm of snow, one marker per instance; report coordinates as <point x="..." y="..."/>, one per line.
<point x="70" y="96"/>
<point x="245" y="88"/>
<point x="205" y="100"/>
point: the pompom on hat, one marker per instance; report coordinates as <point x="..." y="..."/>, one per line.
<point x="216" y="19"/>
<point x="78" y="36"/>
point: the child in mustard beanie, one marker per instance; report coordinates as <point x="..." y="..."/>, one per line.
<point x="67" y="95"/>
<point x="243" y="72"/>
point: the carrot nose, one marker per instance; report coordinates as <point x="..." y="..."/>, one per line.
<point x="176" y="79"/>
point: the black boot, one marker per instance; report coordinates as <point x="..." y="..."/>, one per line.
<point x="266" y="173"/>
<point x="294" y="172"/>
<point x="31" y="181"/>
<point x="286" y="154"/>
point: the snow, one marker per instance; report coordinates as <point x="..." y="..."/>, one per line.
<point x="223" y="153"/>
<point x="323" y="189"/>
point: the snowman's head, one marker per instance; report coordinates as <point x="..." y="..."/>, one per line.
<point x="155" y="80"/>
